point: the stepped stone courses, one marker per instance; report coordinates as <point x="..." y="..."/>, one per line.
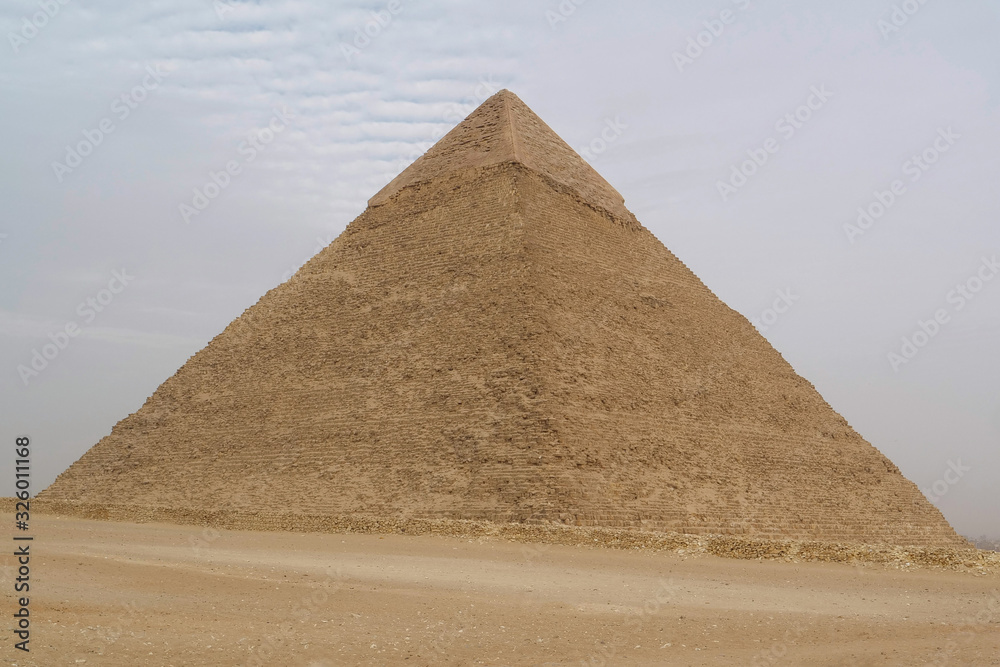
<point x="496" y="337"/>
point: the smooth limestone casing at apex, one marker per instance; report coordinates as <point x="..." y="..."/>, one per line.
<point x="497" y="337"/>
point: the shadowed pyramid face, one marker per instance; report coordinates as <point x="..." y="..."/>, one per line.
<point x="497" y="337"/>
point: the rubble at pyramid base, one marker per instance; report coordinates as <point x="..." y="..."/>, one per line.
<point x="542" y="531"/>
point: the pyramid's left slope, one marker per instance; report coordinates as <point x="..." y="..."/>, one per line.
<point x="377" y="375"/>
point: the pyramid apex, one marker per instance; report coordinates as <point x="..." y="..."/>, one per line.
<point x="503" y="129"/>
<point x="503" y="92"/>
<point x="505" y="95"/>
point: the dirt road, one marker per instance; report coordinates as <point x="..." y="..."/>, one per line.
<point x="153" y="594"/>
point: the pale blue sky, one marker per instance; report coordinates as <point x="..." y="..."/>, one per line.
<point x="223" y="71"/>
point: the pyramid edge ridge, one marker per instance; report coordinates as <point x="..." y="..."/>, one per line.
<point x="629" y="221"/>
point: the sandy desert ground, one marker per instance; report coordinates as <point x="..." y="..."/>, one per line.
<point x="106" y="593"/>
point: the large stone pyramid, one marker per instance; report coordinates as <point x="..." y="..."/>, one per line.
<point x="497" y="337"/>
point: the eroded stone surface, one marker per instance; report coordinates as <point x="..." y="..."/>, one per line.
<point x="497" y="338"/>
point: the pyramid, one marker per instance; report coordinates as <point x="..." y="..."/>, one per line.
<point x="497" y="337"/>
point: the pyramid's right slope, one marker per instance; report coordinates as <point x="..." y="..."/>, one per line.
<point x="497" y="337"/>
